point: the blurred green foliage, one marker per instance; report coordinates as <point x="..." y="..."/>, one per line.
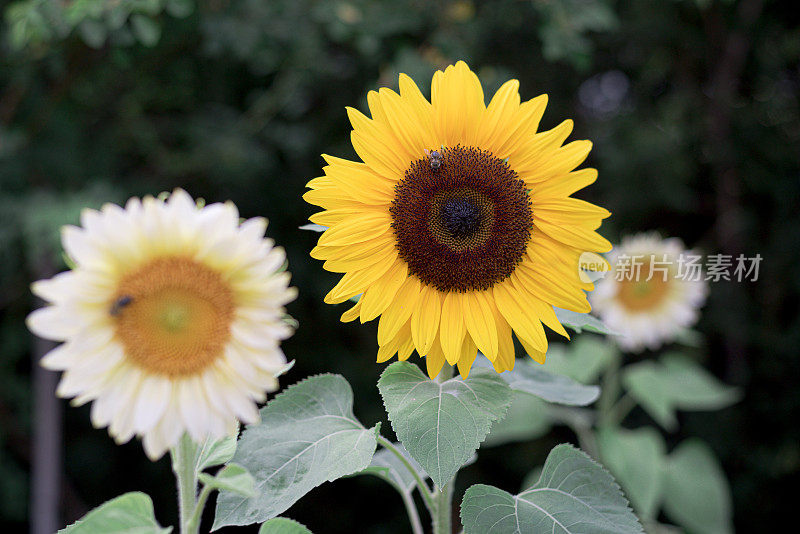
<point x="693" y="107"/>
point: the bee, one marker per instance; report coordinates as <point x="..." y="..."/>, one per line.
<point x="120" y="304"/>
<point x="435" y="158"/>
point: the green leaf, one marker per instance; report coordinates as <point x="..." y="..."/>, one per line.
<point x="582" y="359"/>
<point x="526" y="419"/>
<point x="675" y="383"/>
<point x="131" y="513"/>
<point x="308" y="435"/>
<point x="93" y="32"/>
<point x="180" y="8"/>
<point x="232" y="477"/>
<point x="146" y="30"/>
<point x="442" y="425"/>
<point x="636" y="458"/>
<point x="529" y="377"/>
<point x="574" y="495"/>
<point x="583" y="321"/>
<point x="696" y="492"/>
<point x="314" y="227"/>
<point x="283" y="525"/>
<point x="216" y="452"/>
<point x="387" y="466"/>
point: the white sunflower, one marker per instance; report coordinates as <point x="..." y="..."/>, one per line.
<point x="653" y="292"/>
<point x="171" y="319"/>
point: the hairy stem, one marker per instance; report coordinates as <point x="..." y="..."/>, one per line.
<point x="424" y="490"/>
<point x="443" y="509"/>
<point x="184" y="460"/>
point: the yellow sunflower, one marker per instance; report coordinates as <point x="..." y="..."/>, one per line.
<point x="171" y="319"/>
<point x="457" y="227"/>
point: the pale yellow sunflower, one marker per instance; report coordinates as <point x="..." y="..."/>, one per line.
<point x="171" y="319"/>
<point x="457" y="227"/>
<point x="654" y="293"/>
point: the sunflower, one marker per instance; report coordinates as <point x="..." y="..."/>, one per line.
<point x="457" y="227"/>
<point x="171" y="318"/>
<point x="654" y="294"/>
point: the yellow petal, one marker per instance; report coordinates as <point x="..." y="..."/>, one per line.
<point x="506" y="354"/>
<point x="356" y="282"/>
<point x="378" y="296"/>
<point x="419" y="105"/>
<point x="553" y="290"/>
<point x="537" y="355"/>
<point x="426" y="318"/>
<point x="564" y="185"/>
<point x="560" y="161"/>
<point x="499" y="113"/>
<point x="379" y="153"/>
<point x="365" y="226"/>
<point x="520" y="128"/>
<point x="468" y="354"/>
<point x="452" y="329"/>
<point x="332" y="217"/>
<point x="458" y="103"/>
<point x="360" y="182"/>
<point x="522" y="321"/>
<point x="354" y="257"/>
<point x="399" y="310"/>
<point x="530" y="155"/>
<point x="434" y="360"/>
<point x="352" y="313"/>
<point x="580" y="237"/>
<point x="414" y="136"/>
<point x="479" y="320"/>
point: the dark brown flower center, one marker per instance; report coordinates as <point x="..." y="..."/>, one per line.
<point x="463" y="221"/>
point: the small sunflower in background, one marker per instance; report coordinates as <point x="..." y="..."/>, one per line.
<point x="457" y="227"/>
<point x="171" y="319"/>
<point x="654" y="292"/>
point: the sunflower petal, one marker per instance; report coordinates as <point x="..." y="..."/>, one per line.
<point x="426" y="318"/>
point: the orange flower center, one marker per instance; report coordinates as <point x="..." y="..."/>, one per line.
<point x="173" y="316"/>
<point x="641" y="294"/>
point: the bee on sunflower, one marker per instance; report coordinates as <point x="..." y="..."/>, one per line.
<point x="457" y="227"/>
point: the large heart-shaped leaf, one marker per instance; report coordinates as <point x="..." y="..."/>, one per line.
<point x="442" y="424"/>
<point x="529" y="377"/>
<point x="307" y="435"/>
<point x="676" y="383"/>
<point x="574" y="495"/>
<point x="283" y="525"/>
<point x="582" y="359"/>
<point x="132" y="512"/>
<point x="696" y="492"/>
<point x="636" y="458"/>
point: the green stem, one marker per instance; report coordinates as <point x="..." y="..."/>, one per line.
<point x="610" y="391"/>
<point x="194" y="521"/>
<point x="443" y="497"/>
<point x="424" y="490"/>
<point x="443" y="514"/>
<point x="184" y="460"/>
<point x="621" y="409"/>
<point x="411" y="510"/>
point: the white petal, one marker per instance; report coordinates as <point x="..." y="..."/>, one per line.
<point x="152" y="400"/>
<point x="54" y="322"/>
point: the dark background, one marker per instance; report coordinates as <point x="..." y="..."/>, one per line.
<point x="692" y="106"/>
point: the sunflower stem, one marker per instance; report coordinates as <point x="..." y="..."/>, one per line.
<point x="610" y="391"/>
<point x="424" y="490"/>
<point x="184" y="463"/>
<point x="443" y="508"/>
<point x="442" y="512"/>
<point x="413" y="514"/>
